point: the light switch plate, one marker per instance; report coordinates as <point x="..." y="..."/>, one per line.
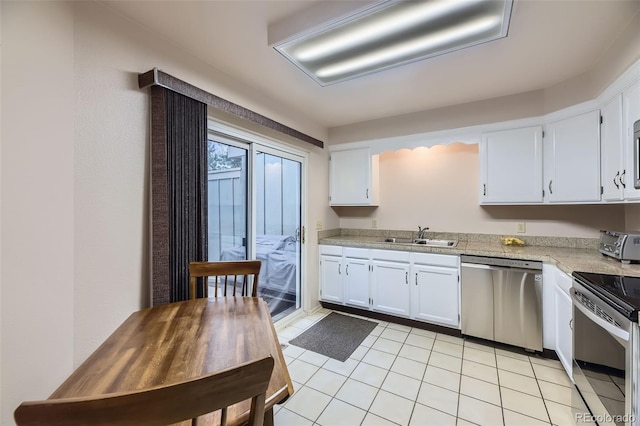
<point x="318" y="225"/>
<point x="522" y="227"/>
<point x="374" y="224"/>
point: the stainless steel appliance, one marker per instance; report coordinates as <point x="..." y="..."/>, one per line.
<point x="624" y="246"/>
<point x="605" y="346"/>
<point x="636" y="154"/>
<point x="502" y="300"/>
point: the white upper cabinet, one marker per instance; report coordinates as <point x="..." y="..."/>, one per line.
<point x="631" y="113"/>
<point x="511" y="166"/>
<point x="572" y="159"/>
<point x="353" y="178"/>
<point x="611" y="134"/>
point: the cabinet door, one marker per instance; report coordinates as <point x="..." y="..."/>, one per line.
<point x="572" y="159"/>
<point x="564" y="334"/>
<point x="511" y="166"/>
<point x="611" y="144"/>
<point x="351" y="177"/>
<point x="356" y="282"/>
<point x="631" y="107"/>
<point x="331" y="279"/>
<point x="390" y="283"/>
<point x="549" y="323"/>
<point x="434" y="294"/>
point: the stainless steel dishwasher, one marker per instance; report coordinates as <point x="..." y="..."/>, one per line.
<point x="502" y="300"/>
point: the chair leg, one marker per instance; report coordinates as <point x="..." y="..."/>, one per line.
<point x="268" y="417"/>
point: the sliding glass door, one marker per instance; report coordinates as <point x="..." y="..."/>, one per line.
<point x="255" y="212"/>
<point x="279" y="228"/>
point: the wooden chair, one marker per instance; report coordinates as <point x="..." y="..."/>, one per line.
<point x="223" y="271"/>
<point x="161" y="405"/>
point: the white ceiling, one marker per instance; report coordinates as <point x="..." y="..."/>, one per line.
<point x="549" y="41"/>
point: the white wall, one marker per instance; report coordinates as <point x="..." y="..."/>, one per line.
<point x="632" y="217"/>
<point x="437" y="187"/>
<point x="505" y="108"/>
<point x="75" y="140"/>
<point x="37" y="218"/>
<point x="112" y="155"/>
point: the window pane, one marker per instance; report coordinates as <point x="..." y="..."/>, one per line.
<point x="227" y="202"/>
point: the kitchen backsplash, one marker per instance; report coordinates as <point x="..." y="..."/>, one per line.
<point x="586" y="243"/>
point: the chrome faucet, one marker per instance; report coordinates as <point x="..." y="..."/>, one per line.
<point x="421" y="232"/>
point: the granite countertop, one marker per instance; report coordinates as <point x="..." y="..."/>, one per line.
<point x="568" y="259"/>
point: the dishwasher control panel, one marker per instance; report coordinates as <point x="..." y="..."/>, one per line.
<point x="501" y="261"/>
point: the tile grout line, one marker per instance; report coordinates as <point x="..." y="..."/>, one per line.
<point x="544" y="401"/>
<point x="495" y="355"/>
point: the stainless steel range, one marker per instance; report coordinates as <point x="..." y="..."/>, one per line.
<point x="605" y="347"/>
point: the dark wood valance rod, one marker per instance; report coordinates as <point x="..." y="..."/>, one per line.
<point x="155" y="77"/>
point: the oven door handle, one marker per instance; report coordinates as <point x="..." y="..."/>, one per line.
<point x="608" y="327"/>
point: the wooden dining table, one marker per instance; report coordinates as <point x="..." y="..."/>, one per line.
<point x="183" y="340"/>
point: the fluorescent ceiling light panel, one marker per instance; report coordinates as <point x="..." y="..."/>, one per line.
<point x="395" y="32"/>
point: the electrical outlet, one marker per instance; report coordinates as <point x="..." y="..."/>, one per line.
<point x="374" y="223"/>
<point x="318" y="225"/>
<point x="522" y="227"/>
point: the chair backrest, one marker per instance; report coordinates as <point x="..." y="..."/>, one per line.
<point x="228" y="275"/>
<point x="161" y="405"/>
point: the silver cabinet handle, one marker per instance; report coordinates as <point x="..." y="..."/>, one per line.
<point x="406" y="278"/>
<point x="367" y="193"/>
<point x="347" y="270"/>
<point x="416" y="278"/>
<point x="339" y="269"/>
<point x="550" y="190"/>
<point x="617" y="176"/>
<point x="624" y="172"/>
<point x="571" y="323"/>
<point x="484" y="189"/>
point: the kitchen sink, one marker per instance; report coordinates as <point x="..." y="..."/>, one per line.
<point x="422" y="242"/>
<point x="398" y="240"/>
<point x="437" y="243"/>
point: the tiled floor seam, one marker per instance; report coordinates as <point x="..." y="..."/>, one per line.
<point x="495" y="356"/>
<point x="544" y="401"/>
<point x="459" y="386"/>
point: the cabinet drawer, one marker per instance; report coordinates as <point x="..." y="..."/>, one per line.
<point x="331" y="250"/>
<point x="358" y="253"/>
<point x="393" y="256"/>
<point x="436" y="259"/>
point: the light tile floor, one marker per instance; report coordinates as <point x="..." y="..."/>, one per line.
<point x="409" y="376"/>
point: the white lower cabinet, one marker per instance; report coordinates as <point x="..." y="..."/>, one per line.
<point x="435" y="295"/>
<point x="356" y="279"/>
<point x="557" y="314"/>
<point x="564" y="316"/>
<point x="421" y="286"/>
<point x="390" y="285"/>
<point x="549" y="273"/>
<point x="331" y="278"/>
